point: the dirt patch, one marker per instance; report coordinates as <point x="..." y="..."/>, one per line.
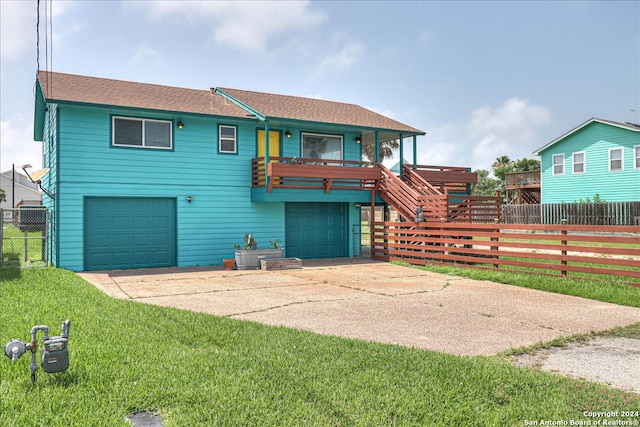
<point x="611" y="361"/>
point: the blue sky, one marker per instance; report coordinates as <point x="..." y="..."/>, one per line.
<point x="483" y="79"/>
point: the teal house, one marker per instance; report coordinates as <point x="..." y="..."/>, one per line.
<point x="143" y="175"/>
<point x="599" y="157"/>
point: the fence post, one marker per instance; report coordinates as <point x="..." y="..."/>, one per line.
<point x="563" y="259"/>
<point x="495" y="239"/>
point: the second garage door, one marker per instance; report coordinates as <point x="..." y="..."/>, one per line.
<point x="316" y="230"/>
<point x="123" y="232"/>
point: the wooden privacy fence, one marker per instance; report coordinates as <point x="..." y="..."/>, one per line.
<point x="564" y="250"/>
<point x="607" y="213"/>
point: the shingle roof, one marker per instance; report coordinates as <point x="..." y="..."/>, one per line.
<point x="59" y="87"/>
<point x="624" y="125"/>
<point x="94" y="90"/>
<point x="316" y="110"/>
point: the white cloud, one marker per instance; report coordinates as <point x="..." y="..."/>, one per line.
<point x="18" y="26"/>
<point x="17" y="144"/>
<point x="247" y="26"/>
<point x="144" y="53"/>
<point x="344" y="54"/>
<point x="506" y="130"/>
<point x="17" y="29"/>
<point x="510" y="129"/>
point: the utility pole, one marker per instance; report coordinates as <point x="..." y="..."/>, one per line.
<point x="13" y="185"/>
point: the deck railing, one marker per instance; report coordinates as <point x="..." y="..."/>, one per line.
<point x="413" y="198"/>
<point x="522" y="179"/>
<point x="313" y="174"/>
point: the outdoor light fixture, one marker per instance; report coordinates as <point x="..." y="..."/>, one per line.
<point x="288" y="133"/>
<point x="190" y="199"/>
<point x="180" y="124"/>
<point x="358" y="139"/>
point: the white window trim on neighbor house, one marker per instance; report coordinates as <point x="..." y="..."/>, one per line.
<point x="319" y="155"/>
<point x="225" y="138"/>
<point x="636" y="156"/>
<point x="556" y="164"/>
<point x="620" y="159"/>
<point x="582" y="163"/>
<point x="144" y="137"/>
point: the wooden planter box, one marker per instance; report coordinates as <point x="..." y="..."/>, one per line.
<point x="280" y="264"/>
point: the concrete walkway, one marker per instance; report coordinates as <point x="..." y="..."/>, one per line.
<point x="360" y="298"/>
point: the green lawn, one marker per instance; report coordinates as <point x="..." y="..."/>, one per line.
<point x="201" y="370"/>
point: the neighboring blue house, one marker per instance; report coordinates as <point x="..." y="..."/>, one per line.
<point x="145" y="175"/>
<point x="599" y="157"/>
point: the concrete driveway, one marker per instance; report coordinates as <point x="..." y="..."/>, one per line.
<point x="360" y="298"/>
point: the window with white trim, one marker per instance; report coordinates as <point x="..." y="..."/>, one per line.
<point x="558" y="164"/>
<point x="636" y="156"/>
<point x="579" y="163"/>
<point x="615" y="159"/>
<point x="227" y="139"/>
<point x="319" y="146"/>
<point x="143" y="133"/>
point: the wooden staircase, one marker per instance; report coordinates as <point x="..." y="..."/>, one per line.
<point x="418" y="200"/>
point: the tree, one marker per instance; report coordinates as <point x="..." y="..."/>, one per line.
<point x="502" y="166"/>
<point x="387" y="148"/>
<point x="3" y="195"/>
<point x="486" y="186"/>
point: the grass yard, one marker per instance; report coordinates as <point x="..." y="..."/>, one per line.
<point x="200" y="370"/>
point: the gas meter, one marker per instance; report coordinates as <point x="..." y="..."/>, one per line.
<point x="55" y="352"/>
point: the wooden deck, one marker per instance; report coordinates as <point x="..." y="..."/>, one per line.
<point x="413" y="196"/>
<point x="312" y="174"/>
<point x="523" y="187"/>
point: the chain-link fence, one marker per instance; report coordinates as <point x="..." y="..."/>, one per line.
<point x="24" y="236"/>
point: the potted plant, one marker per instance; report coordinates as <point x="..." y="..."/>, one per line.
<point x="248" y="256"/>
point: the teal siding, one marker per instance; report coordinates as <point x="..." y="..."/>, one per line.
<point x="85" y="165"/>
<point x="50" y="134"/>
<point x="595" y="140"/>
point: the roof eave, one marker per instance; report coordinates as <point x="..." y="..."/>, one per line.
<point x="582" y="125"/>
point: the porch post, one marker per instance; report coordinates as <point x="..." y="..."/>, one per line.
<point x="377" y="146"/>
<point x="415" y="153"/>
<point x="372" y="219"/>
<point x="266" y="153"/>
<point x="401" y="155"/>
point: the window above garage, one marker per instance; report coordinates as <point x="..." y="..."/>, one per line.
<point x="142" y="133"/>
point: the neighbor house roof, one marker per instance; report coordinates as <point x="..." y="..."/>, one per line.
<point x="60" y="87"/>
<point x="624" y="125"/>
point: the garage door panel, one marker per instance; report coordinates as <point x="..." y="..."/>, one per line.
<point x="129" y="233"/>
<point x="316" y="230"/>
